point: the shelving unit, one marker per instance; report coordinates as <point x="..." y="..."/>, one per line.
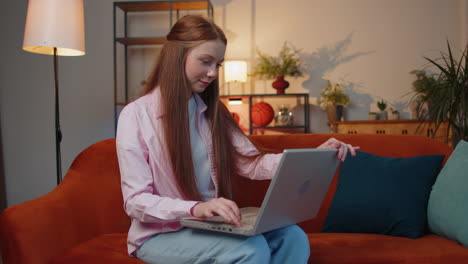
<point x="301" y="99"/>
<point x="123" y="38"/>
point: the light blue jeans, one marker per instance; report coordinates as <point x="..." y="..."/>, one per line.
<point x="190" y="246"/>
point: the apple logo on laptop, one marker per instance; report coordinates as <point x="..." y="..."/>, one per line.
<point x="304" y="187"/>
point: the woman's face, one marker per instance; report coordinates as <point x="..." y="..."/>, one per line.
<point x="202" y="64"/>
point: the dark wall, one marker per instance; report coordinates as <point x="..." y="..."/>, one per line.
<point x="2" y="174"/>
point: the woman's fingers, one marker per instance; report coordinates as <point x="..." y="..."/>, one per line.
<point x="342" y="148"/>
<point x="225" y="208"/>
<point x="352" y="149"/>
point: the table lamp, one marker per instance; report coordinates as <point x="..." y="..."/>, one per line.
<point x="55" y="27"/>
<point x="235" y="71"/>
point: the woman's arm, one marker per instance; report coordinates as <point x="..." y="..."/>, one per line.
<point x="263" y="167"/>
<point x="137" y="180"/>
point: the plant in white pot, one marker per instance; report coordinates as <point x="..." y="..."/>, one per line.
<point x="373" y="116"/>
<point x="394" y="114"/>
<point x="382" y="105"/>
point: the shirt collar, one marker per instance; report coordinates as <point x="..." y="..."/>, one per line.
<point x="159" y="111"/>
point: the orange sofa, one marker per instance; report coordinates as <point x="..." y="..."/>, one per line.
<point x="83" y="221"/>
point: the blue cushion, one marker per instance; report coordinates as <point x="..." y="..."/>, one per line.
<point x="383" y="195"/>
<point x="447" y="210"/>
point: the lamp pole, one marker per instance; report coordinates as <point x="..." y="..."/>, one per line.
<point x="55" y="27"/>
<point x="58" y="132"/>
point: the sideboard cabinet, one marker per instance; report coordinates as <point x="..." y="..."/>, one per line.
<point x="393" y="127"/>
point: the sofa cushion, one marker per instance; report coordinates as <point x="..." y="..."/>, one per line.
<point x="447" y="214"/>
<point x="339" y="248"/>
<point x="109" y="248"/>
<point x="383" y="195"/>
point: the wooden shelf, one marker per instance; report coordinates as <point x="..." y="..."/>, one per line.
<point x="125" y="36"/>
<point x="163" y="6"/>
<point x="304" y="97"/>
<point x="141" y="41"/>
<point x="262" y="95"/>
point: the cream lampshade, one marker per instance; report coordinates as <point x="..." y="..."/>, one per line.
<point x="55" y="27"/>
<point x="55" y="24"/>
<point x="235" y="71"/>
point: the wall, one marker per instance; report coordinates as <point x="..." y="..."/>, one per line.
<point x="27" y="109"/>
<point x="368" y="45"/>
<point x="3" y="203"/>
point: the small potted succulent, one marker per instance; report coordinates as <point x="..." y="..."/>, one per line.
<point x="373" y="116"/>
<point x="382" y="105"/>
<point x="394" y="114"/>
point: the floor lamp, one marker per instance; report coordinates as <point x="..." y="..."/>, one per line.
<point x="55" y="27"/>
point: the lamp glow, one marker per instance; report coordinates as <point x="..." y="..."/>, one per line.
<point x="55" y="24"/>
<point x="235" y="101"/>
<point x="235" y="71"/>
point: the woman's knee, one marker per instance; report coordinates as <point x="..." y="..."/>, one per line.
<point x="295" y="239"/>
<point x="253" y="250"/>
<point x="295" y="232"/>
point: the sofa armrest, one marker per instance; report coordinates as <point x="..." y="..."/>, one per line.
<point x="37" y="230"/>
<point x="86" y="204"/>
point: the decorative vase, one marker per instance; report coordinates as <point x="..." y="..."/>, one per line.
<point x="330" y="110"/>
<point x="284" y="116"/>
<point x="280" y="84"/>
<point x="339" y="112"/>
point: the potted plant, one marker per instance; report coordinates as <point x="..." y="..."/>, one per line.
<point x="448" y="97"/>
<point x="332" y="100"/>
<point x="422" y="86"/>
<point x="394" y="114"/>
<point x="382" y="105"/>
<point x="287" y="63"/>
<point x="372" y="116"/>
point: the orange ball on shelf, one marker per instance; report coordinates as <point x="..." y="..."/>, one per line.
<point x="262" y="114"/>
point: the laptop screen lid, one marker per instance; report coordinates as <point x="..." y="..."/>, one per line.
<point x="298" y="188"/>
<point x="295" y="193"/>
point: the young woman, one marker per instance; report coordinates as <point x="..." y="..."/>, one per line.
<point x="179" y="150"/>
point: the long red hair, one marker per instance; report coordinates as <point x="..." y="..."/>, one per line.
<point x="169" y="74"/>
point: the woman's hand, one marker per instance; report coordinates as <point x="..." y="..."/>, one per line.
<point x="342" y="147"/>
<point x="225" y="208"/>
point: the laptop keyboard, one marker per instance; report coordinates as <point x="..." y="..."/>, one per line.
<point x="248" y="219"/>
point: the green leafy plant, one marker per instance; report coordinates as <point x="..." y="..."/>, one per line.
<point x="287" y="63"/>
<point x="382" y="105"/>
<point x="447" y="95"/>
<point x="394" y="111"/>
<point x="333" y="94"/>
<point x="422" y="87"/>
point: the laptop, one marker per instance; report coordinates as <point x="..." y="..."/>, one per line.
<point x="295" y="194"/>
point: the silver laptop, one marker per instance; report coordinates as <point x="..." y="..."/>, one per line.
<point x="295" y="194"/>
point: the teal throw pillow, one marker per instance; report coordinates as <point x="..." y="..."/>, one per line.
<point x="447" y="210"/>
<point x="383" y="195"/>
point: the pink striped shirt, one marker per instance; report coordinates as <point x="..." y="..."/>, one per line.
<point x="150" y="193"/>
